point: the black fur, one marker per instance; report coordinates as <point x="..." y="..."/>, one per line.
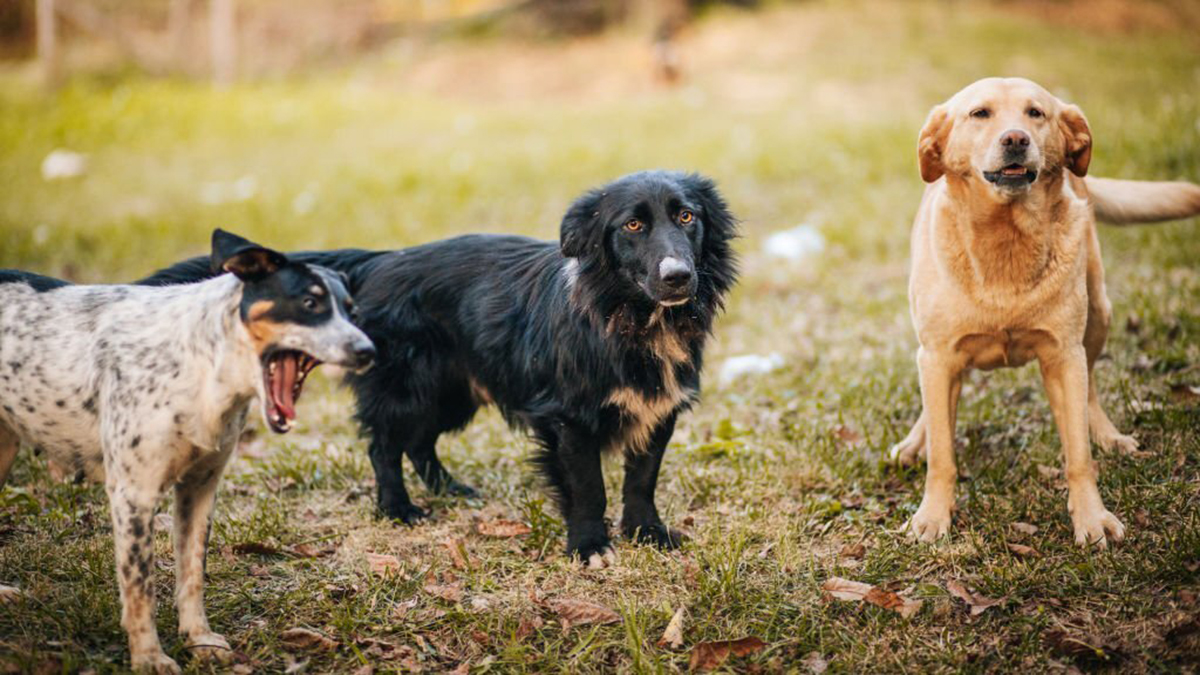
<point x="508" y="320"/>
<point x="37" y="282"/>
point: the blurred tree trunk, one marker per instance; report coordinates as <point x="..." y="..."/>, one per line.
<point x="47" y="43"/>
<point x="223" y="41"/>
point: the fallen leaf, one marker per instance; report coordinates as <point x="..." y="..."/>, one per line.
<point x="847" y="435"/>
<point x="1025" y="528"/>
<point x="384" y="650"/>
<point x="383" y="564"/>
<point x="1049" y="472"/>
<point x="457" y="548"/>
<point x="448" y="592"/>
<point x="673" y="635"/>
<point x="845" y="589"/>
<point x="10" y="594"/>
<point x="710" y="655"/>
<point x="255" y="548"/>
<point x="462" y="669"/>
<point x="1185" y="393"/>
<point x="294" y="666"/>
<point x="815" y="663"/>
<point x="311" y="550"/>
<point x="893" y="601"/>
<point x="1024" y="551"/>
<point x="528" y="625"/>
<point x="977" y="602"/>
<point x="503" y="529"/>
<point x="306" y="639"/>
<point x="855" y="551"/>
<point x="575" y="612"/>
<point x="163" y="522"/>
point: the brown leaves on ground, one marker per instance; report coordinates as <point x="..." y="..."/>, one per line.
<point x="577" y="612"/>
<point x="503" y="529"/>
<point x="451" y="592"/>
<point x="383" y="564"/>
<point x="1185" y="393"/>
<point x="1024" y="551"/>
<point x="10" y="594"/>
<point x="855" y="551"/>
<point x="1025" y="528"/>
<point x="305" y="639"/>
<point x="857" y="591"/>
<point x="816" y="663"/>
<point x="673" y="635"/>
<point x="977" y="602"/>
<point x="457" y="550"/>
<point x="710" y="655"/>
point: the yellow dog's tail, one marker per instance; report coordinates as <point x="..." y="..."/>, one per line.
<point x="1123" y="202"/>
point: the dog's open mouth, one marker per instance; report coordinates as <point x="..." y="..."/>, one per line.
<point x="1013" y="174"/>
<point x="283" y="378"/>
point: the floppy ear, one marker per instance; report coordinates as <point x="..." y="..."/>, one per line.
<point x="932" y="143"/>
<point x="718" y="221"/>
<point x="243" y="258"/>
<point x="1078" y="136"/>
<point x="579" y="225"/>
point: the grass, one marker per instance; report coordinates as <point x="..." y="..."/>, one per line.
<point x="804" y="113"/>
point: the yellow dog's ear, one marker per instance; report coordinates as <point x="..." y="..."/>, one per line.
<point x="932" y="143"/>
<point x="1078" y="137"/>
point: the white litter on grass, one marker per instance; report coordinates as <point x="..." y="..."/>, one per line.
<point x="304" y="202"/>
<point x="799" y="242"/>
<point x="61" y="164"/>
<point x="736" y="367"/>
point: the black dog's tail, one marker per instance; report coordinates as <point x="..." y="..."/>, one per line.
<point x="352" y="261"/>
<point x="37" y="282"/>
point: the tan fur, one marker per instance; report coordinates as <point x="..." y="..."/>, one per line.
<point x="641" y="414"/>
<point x="1001" y="278"/>
<point x="1136" y="201"/>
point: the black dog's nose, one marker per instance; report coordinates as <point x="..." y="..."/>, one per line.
<point x="675" y="272"/>
<point x="1015" y="139"/>
<point x="363" y="354"/>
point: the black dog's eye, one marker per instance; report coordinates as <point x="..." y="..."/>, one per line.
<point x="634" y="225"/>
<point x="310" y="303"/>
<point x="981" y="113"/>
<point x="686" y="217"/>
<point x="1035" y="113"/>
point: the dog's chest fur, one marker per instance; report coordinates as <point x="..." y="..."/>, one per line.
<point x="131" y="370"/>
<point x="643" y="408"/>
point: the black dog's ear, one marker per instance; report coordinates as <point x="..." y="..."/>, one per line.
<point x="243" y="258"/>
<point x="718" y="221"/>
<point x="579" y="225"/>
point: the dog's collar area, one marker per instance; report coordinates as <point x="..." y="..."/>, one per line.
<point x="284" y="372"/>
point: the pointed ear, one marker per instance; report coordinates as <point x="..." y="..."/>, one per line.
<point x="719" y="221"/>
<point x="1078" y="137"/>
<point x="932" y="143"/>
<point x="579" y="225"/>
<point x="243" y="258"/>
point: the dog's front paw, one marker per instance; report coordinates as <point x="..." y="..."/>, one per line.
<point x="210" y="647"/>
<point x="589" y="543"/>
<point x="409" y="514"/>
<point x="154" y="663"/>
<point x="657" y="534"/>
<point x="1096" y="527"/>
<point x="929" y="523"/>
<point x="1126" y="445"/>
<point x="908" y="453"/>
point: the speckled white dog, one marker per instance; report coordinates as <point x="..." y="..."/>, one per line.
<point x="147" y="388"/>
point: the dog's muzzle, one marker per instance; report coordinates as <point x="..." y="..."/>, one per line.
<point x="677" y="279"/>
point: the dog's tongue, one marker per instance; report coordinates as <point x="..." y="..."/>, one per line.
<point x="285" y="383"/>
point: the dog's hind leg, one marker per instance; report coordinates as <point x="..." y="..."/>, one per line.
<point x="912" y="448"/>
<point x="195" y="494"/>
<point x="9" y="445"/>
<point x="640" y="519"/>
<point x="422" y="452"/>
<point x="1101" y="428"/>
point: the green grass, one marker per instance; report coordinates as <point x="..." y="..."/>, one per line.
<point x="803" y="113"/>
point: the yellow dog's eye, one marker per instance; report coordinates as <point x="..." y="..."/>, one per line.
<point x="633" y="225"/>
<point x="686" y="217"/>
<point x="981" y="113"/>
<point x="1035" y="113"/>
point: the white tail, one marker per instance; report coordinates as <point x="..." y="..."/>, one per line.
<point x="1138" y="201"/>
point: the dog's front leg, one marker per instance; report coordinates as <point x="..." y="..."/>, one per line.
<point x="584" y="500"/>
<point x="640" y="519"/>
<point x="195" y="494"/>
<point x="1066" y="377"/>
<point x="132" y="506"/>
<point x="940" y="386"/>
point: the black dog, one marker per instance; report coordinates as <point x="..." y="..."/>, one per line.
<point x="594" y="344"/>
